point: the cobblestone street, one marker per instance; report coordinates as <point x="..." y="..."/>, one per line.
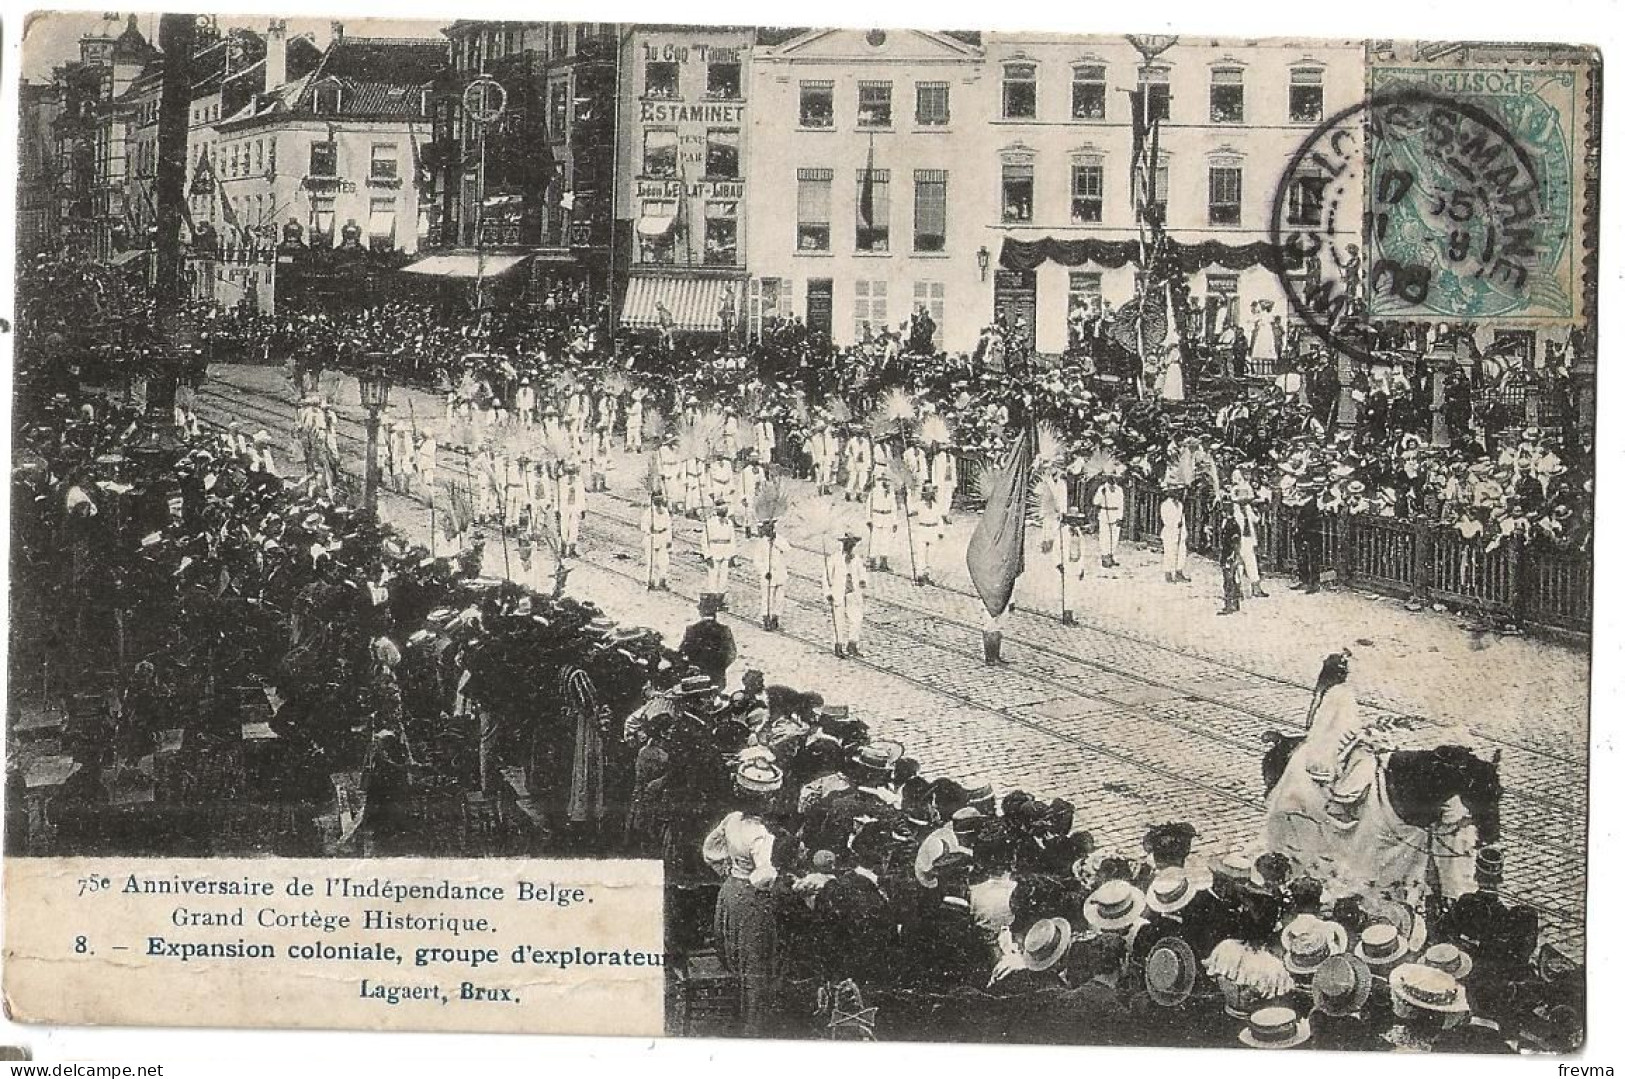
<point x="1152" y="709"/>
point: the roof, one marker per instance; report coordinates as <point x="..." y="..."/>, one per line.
<point x="381" y="78"/>
<point x="131" y="46"/>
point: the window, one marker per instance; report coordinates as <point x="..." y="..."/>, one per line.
<point x="722" y="154"/>
<point x="324" y="159"/>
<point x="874" y="210"/>
<point x="1020" y="91"/>
<point x="1089" y="92"/>
<point x="259" y="156"/>
<point x="721" y="233"/>
<point x="1306" y="200"/>
<point x="325" y="99"/>
<point x="1157" y="205"/>
<point x="558" y="110"/>
<point x="1018" y="193"/>
<point x="235" y="159"/>
<point x="659" y="152"/>
<point x="1225" y="96"/>
<point x="657" y="232"/>
<point x="874" y="104"/>
<point x="1088" y="184"/>
<point x="385" y="165"/>
<point x="660" y="79"/>
<point x="1158" y="97"/>
<point x="930" y="209"/>
<point x="560" y="44"/>
<point x="812" y="208"/>
<point x="932" y="296"/>
<point x="1221" y="306"/>
<point x="321" y="219"/>
<point x="722" y="78"/>
<point x="1082" y="292"/>
<point x="818" y="104"/>
<point x="1224" y="195"/>
<point x="1305" y="95"/>
<point x="270" y="158"/>
<point x="931" y="104"/>
<point x="868" y="309"/>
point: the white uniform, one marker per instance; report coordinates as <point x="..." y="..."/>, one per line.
<point x="882" y="523"/>
<point x="719" y="482"/>
<point x="670" y="467"/>
<point x="745" y="488"/>
<point x="773" y="571"/>
<point x="717" y="548"/>
<point x="1174" y="545"/>
<point x="945" y="478"/>
<point x="1108" y="502"/>
<point x="425" y="464"/>
<point x="767" y="440"/>
<point x="634" y="426"/>
<point x="524" y="403"/>
<point x="826" y="458"/>
<point x="919" y="470"/>
<point x="859" y="463"/>
<point x="845" y="584"/>
<point x="571" y="507"/>
<point x="656" y="527"/>
<point x="1247" y="519"/>
<point x="925" y="529"/>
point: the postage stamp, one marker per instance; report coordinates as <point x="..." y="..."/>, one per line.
<point x="1471" y="193"/>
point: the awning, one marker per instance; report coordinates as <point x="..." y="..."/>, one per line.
<point x="690" y="303"/>
<point x="465" y="265"/>
<point x="656" y="226"/>
<point x="124" y="258"/>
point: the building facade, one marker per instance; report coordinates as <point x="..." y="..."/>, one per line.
<point x="525" y="169"/>
<point x="861" y="205"/>
<point x="39" y="168"/>
<point x="682" y="172"/>
<point x="1057" y="145"/>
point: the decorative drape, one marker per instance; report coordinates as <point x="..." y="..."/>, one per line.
<point x="1026" y="255"/>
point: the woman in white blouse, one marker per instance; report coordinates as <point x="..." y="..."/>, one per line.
<point x="740" y="850"/>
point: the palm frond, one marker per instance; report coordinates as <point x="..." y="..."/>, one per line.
<point x="893" y="415"/>
<point x="826" y="520"/>
<point x="694" y="437"/>
<point x="935" y="431"/>
<point x="839" y="412"/>
<point x="564" y="384"/>
<point x="614" y="384"/>
<point x="654" y="425"/>
<point x="651" y="482"/>
<point x="800" y="415"/>
<point x="557" y="445"/>
<point x="751" y="402"/>
<point x="773" y="501"/>
<point x="982" y="477"/>
<point x="1046" y="504"/>
<point x="1100" y="461"/>
<point x="1052" y="448"/>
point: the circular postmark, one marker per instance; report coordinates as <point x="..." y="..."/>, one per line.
<point x="1409" y="205"/>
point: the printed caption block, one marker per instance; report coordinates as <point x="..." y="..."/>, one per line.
<point x="533" y="946"/>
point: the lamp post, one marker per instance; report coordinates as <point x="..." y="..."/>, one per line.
<point x="374" y="384"/>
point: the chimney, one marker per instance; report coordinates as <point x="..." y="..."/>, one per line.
<point x="338" y="32"/>
<point x="276" y="54"/>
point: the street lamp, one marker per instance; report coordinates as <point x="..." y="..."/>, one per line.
<point x="982" y="259"/>
<point x="374" y="398"/>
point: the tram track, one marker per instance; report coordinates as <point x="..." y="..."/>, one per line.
<point x="277" y="415"/>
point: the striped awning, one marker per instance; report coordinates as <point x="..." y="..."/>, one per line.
<point x="686" y="303"/>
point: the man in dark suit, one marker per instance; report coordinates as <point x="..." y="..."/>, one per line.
<point x="860" y="922"/>
<point x="1229" y="544"/>
<point x="708" y="644"/>
<point x="1308" y="542"/>
<point x="835" y="818"/>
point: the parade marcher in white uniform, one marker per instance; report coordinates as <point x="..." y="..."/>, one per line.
<point x="571" y="508"/>
<point x="656" y="527"/>
<point x="1246" y="514"/>
<point x="719" y="482"/>
<point x="845" y="585"/>
<point x="694" y="487"/>
<point x="860" y="459"/>
<point x="670" y="467"/>
<point x="426" y="453"/>
<point x="746" y="484"/>
<point x="925" y="530"/>
<point x="918" y="468"/>
<point x="773" y="570"/>
<point x="717" y="550"/>
<point x="634" y="422"/>
<point x="263" y="462"/>
<point x="826" y="457"/>
<point x="882" y="523"/>
<point x="945" y="476"/>
<point x="1175" y="544"/>
<point x="524" y="404"/>
<point x="767" y="437"/>
<point x="1108" y="503"/>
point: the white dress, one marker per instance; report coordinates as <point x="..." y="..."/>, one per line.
<point x="1296" y="822"/>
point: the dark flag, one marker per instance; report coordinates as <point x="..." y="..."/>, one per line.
<point x="998" y="548"/>
<point x="1136" y="100"/>
<point x="866" y="194"/>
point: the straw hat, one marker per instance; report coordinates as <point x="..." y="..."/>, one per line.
<point x="1341" y="986"/>
<point x="1046" y="942"/>
<point x="1380" y="946"/>
<point x="1426" y="988"/>
<point x="1117" y="904"/>
<point x="1275" y="1028"/>
<point x="1170" y="972"/>
<point x="1173" y="888"/>
<point x="1450" y="959"/>
<point x="1309" y="941"/>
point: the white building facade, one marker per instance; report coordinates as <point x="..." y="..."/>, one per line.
<point x="860" y="203"/>
<point x="1059" y="139"/>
